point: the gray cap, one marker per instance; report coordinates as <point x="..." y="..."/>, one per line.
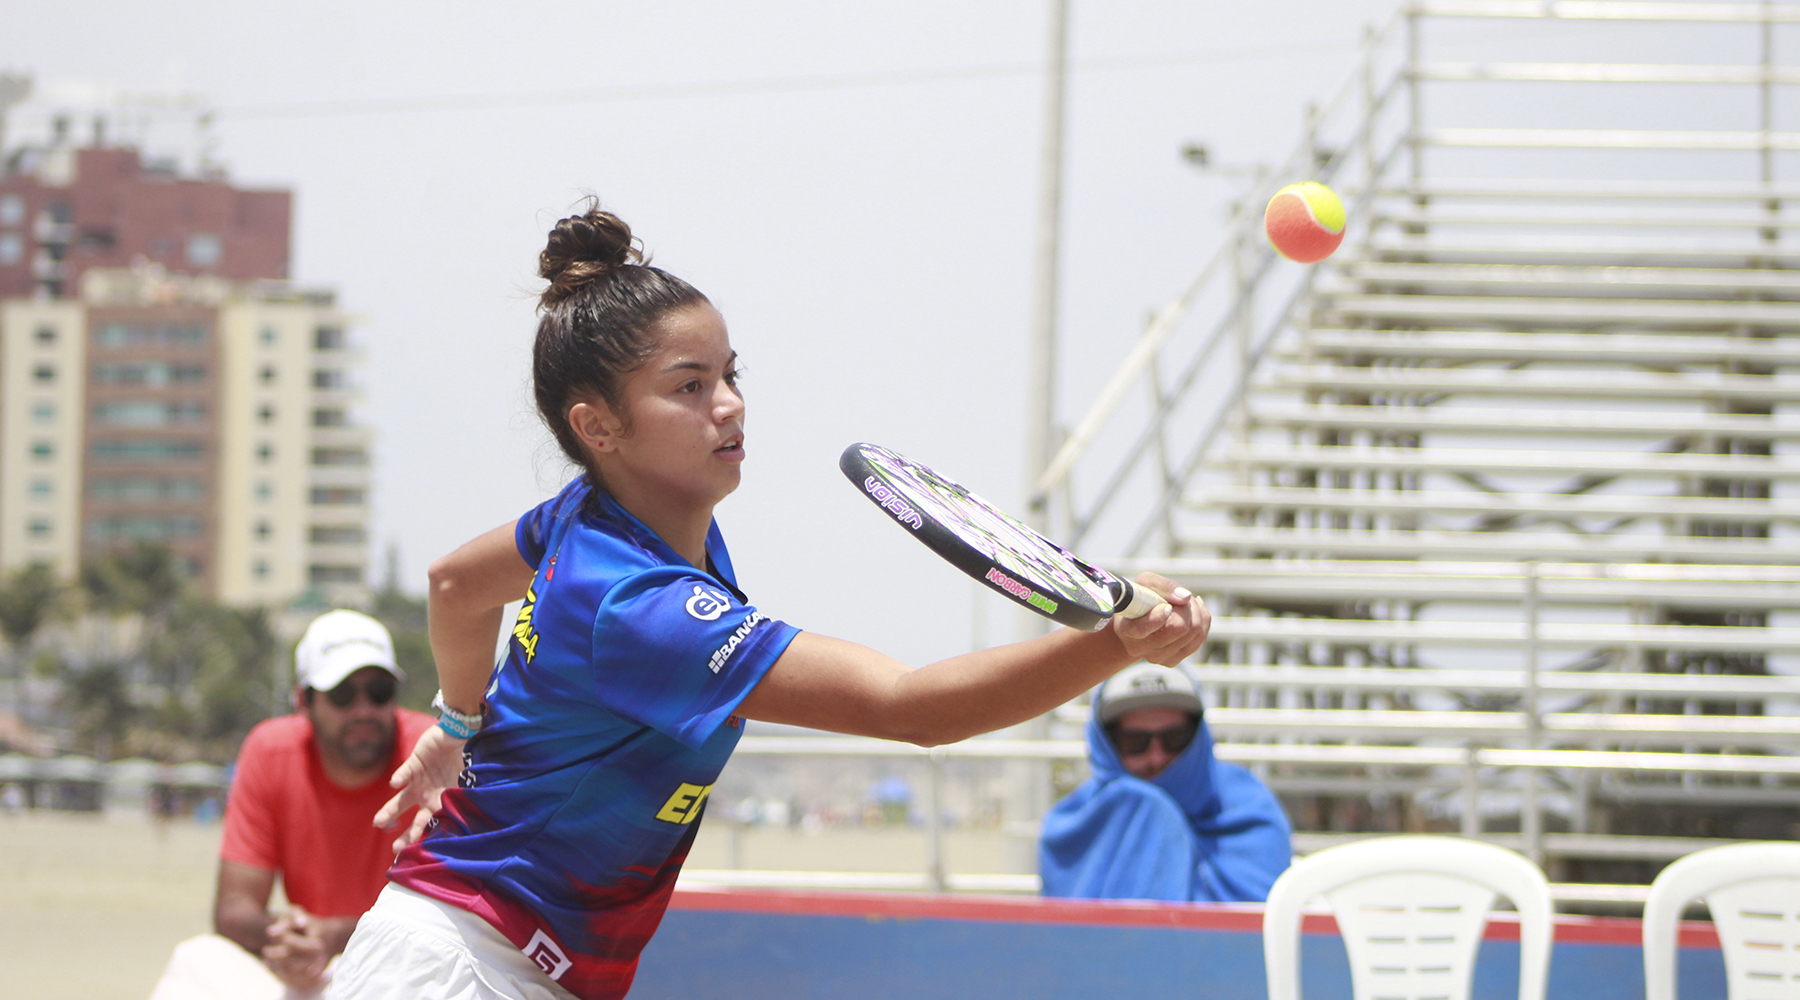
<point x="1146" y="685"/>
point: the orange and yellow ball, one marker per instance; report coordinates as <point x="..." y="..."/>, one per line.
<point x="1304" y="222"/>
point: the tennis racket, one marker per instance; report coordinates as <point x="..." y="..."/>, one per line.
<point x="975" y="537"/>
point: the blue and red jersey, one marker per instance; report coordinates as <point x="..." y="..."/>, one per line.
<point x="607" y="724"/>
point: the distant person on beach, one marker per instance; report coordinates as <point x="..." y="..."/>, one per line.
<point x="1161" y="818"/>
<point x="302" y="805"/>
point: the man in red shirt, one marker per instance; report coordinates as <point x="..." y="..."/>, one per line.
<point x="302" y="805"/>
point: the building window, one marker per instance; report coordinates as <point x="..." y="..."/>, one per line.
<point x="267" y="374"/>
<point x="204" y="250"/>
<point x="335" y="574"/>
<point x="46" y="335"/>
<point x="149" y="529"/>
<point x="12" y="209"/>
<point x="44" y="373"/>
<point x="155" y="373"/>
<point x="43" y="412"/>
<point x="328" y="338"/>
<point x="330" y="418"/>
<point x="329" y="378"/>
<point x="148" y="413"/>
<point x="262" y="531"/>
<point x="128" y="335"/>
<point x="42" y="489"/>
<point x="335" y="534"/>
<point x="12" y="248"/>
<point x="43" y="451"/>
<point x="266" y="413"/>
<point x="264" y="490"/>
<point x="39" y="527"/>
<point x="260" y="568"/>
<point x="265" y="451"/>
<point x="145" y="489"/>
<point x="148" y="450"/>
<point x="267" y="335"/>
<point x="337" y="495"/>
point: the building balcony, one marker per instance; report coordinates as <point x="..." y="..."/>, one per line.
<point x="337" y="555"/>
<point x="340" y="436"/>
<point x="336" y="516"/>
<point x="44" y="267"/>
<point x="342" y="498"/>
<point x="336" y="396"/>
<point x="334" y="476"/>
<point x="47" y="230"/>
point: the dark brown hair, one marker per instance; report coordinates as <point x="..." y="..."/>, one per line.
<point x="599" y="318"/>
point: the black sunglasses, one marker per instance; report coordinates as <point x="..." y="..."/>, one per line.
<point x="380" y="690"/>
<point x="1174" y="739"/>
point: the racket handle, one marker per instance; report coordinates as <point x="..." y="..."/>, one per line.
<point x="1142" y="601"/>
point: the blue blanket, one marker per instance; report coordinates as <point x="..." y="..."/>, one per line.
<point x="1201" y="831"/>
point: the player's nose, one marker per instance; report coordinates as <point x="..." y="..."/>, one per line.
<point x="728" y="403"/>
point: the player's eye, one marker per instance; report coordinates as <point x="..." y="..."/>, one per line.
<point x="690" y="386"/>
<point x="732" y="375"/>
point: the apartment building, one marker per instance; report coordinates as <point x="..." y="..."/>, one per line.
<point x="149" y="392"/>
<point x="65" y="209"/>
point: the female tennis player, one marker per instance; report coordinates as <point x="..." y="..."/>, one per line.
<point x="573" y="776"/>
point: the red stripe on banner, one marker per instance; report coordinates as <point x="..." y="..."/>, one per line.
<point x="1239" y="917"/>
<point x="1003" y="909"/>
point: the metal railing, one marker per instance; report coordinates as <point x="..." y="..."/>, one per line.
<point x="1461" y="767"/>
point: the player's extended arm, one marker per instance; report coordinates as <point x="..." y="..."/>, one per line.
<point x="241" y="905"/>
<point x="469" y="588"/>
<point x="840" y="686"/>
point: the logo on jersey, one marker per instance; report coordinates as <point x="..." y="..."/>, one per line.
<point x="742" y="632"/>
<point x="684" y="806"/>
<point x="544" y="953"/>
<point x="892" y="502"/>
<point x="523" y="630"/>
<point x="707" y="605"/>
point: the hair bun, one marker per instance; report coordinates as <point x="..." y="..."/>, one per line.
<point x="583" y="248"/>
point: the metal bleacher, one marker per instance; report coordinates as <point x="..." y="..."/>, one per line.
<point x="1496" y="509"/>
<point x="1513" y="472"/>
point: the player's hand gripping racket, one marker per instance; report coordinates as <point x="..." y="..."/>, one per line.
<point x="991" y="547"/>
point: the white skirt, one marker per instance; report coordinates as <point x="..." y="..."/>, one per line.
<point x="412" y="947"/>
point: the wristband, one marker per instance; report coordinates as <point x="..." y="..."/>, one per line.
<point x="461" y="725"/>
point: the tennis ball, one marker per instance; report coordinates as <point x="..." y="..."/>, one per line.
<point x="1305" y="222"/>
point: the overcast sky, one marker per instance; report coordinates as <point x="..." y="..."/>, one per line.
<point x="852" y="184"/>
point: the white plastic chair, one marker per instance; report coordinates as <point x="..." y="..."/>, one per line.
<point x="1411" y="911"/>
<point x="1753" y="891"/>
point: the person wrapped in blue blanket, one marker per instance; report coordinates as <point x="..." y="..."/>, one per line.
<point x="1161" y="818"/>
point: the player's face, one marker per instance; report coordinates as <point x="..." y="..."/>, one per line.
<point x="1160" y="728"/>
<point x="359" y="734"/>
<point x="685" y="442"/>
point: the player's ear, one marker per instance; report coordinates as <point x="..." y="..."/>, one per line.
<point x="594" y="423"/>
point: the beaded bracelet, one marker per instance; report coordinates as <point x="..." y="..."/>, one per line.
<point x="461" y="725"/>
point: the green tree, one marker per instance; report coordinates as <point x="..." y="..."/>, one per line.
<point x="29" y="597"/>
<point x="404" y="617"/>
<point x="216" y="667"/>
<point x="98" y="697"/>
<point x="145" y="579"/>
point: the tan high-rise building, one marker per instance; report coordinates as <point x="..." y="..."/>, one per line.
<point x="210" y="416"/>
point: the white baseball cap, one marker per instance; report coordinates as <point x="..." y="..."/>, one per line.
<point x="338" y="644"/>
<point x="1146" y="685"/>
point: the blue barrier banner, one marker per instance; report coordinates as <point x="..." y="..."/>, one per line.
<point x="797" y="945"/>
